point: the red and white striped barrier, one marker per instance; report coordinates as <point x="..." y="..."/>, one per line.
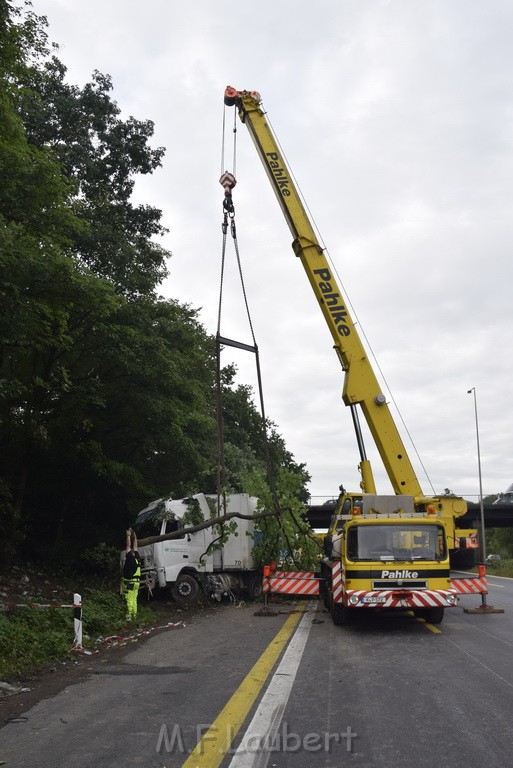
<point x="304" y="583"/>
<point x="470" y="585"/>
<point x="307" y="583"/>
<point x="338" y="580"/>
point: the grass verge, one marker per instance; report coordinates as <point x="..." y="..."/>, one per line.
<point x="30" y="637"/>
<point x="502" y="568"/>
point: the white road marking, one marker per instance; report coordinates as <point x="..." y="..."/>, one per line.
<point x="471" y="656"/>
<point x="254" y="749"/>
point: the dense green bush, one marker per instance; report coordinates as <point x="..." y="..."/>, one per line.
<point x="29" y="637"/>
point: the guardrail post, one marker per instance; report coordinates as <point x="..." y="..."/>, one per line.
<point x="481" y="572"/>
<point x="77" y="622"/>
<point x="484" y="607"/>
<point x="266" y="585"/>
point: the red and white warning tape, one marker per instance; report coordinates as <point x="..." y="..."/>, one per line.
<point x="35" y="605"/>
<point x="118" y="641"/>
<point x="77" y="615"/>
<point x="114" y="640"/>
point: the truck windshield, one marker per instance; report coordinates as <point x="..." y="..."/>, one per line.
<point x="149" y="523"/>
<point x="396" y="542"/>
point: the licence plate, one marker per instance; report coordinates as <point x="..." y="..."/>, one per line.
<point x="374" y="599"/>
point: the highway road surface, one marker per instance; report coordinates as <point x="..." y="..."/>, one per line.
<point x="234" y="690"/>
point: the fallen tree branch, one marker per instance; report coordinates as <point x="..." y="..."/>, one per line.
<point x="207" y="524"/>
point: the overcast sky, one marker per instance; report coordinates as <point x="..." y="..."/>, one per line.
<point x="396" y="119"/>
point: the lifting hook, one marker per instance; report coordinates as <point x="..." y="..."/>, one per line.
<point x="228" y="181"/>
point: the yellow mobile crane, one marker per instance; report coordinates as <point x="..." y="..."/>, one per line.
<point x="381" y="551"/>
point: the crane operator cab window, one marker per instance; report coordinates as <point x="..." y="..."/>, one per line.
<point x="351" y="506"/>
<point x="404" y="542"/>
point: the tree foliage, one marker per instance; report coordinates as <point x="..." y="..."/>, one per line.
<point x="107" y="394"/>
<point x="102" y="153"/>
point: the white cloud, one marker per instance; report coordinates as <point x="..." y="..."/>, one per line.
<point x="396" y="119"/>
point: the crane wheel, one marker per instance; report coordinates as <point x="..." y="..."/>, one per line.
<point x="434" y="615"/>
<point x="340" y="615"/>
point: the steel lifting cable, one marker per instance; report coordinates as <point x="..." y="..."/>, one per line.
<point x="227" y="205"/>
<point x="228" y="181"/>
<point x="229" y="215"/>
<point x="223" y="141"/>
<point x="221" y="469"/>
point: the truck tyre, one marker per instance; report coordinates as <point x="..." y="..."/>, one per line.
<point x="254" y="587"/>
<point x="434" y="615"/>
<point x="340" y="614"/>
<point x="185" y="589"/>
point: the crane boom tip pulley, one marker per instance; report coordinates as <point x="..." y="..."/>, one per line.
<point x="232" y="96"/>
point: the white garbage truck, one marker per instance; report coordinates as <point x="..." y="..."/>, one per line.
<point x="192" y="561"/>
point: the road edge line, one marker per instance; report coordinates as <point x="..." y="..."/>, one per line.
<point x="210" y="751"/>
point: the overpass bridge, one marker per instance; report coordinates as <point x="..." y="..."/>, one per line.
<point x="495" y="515"/>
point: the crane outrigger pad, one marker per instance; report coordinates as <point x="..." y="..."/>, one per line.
<point x="484" y="608"/>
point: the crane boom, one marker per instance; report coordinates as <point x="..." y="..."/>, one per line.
<point x="361" y="386"/>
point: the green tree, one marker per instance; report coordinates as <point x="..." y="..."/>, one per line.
<point x="132" y="421"/>
<point x="59" y="322"/>
<point x="244" y="440"/>
<point x="276" y="479"/>
<point x="103" y="154"/>
<point x="500" y="541"/>
<point x="287" y="538"/>
<point x="107" y="395"/>
<point x="36" y="224"/>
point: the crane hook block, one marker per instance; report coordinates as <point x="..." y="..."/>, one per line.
<point x="228" y="181"/>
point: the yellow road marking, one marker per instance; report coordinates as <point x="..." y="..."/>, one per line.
<point x="211" y="749"/>
<point x="432" y="628"/>
<point x="429" y="626"/>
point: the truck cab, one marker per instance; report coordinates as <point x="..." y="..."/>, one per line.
<point x="387" y="552"/>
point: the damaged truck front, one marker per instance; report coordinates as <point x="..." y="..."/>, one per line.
<point x="219" y="562"/>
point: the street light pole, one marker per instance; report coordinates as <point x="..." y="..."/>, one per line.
<point x="482" y="542"/>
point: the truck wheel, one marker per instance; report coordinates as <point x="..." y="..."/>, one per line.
<point x="340" y="614"/>
<point x="434" y="615"/>
<point x="254" y="587"/>
<point x="185" y="589"/>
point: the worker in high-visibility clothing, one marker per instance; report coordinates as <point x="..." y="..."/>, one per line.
<point x="131" y="575"/>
